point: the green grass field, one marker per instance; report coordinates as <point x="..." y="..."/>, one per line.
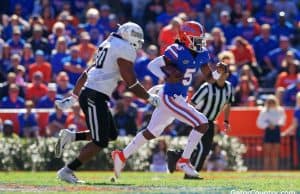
<point x="146" y="182"/>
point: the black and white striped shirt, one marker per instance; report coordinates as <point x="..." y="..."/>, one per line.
<point x="211" y="98"/>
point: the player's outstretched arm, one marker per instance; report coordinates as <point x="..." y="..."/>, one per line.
<point x="71" y="100"/>
<point x="127" y="73"/>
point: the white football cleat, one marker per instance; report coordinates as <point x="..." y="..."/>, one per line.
<point x="65" y="137"/>
<point x="67" y="175"/>
<point x="185" y="165"/>
<point x="119" y="162"/>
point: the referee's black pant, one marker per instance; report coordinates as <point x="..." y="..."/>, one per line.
<point x="203" y="148"/>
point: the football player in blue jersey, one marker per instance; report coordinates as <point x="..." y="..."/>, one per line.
<point x="177" y="66"/>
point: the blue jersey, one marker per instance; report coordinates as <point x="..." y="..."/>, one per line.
<point x="187" y="64"/>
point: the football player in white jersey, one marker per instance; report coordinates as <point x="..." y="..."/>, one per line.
<point x="114" y="59"/>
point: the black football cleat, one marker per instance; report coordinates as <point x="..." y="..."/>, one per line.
<point x="192" y="177"/>
<point x="173" y="156"/>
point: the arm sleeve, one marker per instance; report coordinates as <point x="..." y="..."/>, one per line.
<point x="282" y="119"/>
<point x="155" y="67"/>
<point x="127" y="53"/>
<point x="261" y="121"/>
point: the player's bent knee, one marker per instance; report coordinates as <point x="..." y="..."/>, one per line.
<point x="202" y="128"/>
<point x="148" y="135"/>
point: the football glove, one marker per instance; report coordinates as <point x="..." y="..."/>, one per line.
<point x="66" y="103"/>
<point x="154" y="99"/>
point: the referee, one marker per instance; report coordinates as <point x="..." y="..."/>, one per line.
<point x="210" y="99"/>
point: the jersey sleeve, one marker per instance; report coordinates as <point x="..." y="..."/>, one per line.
<point x="171" y="52"/>
<point x="126" y="52"/>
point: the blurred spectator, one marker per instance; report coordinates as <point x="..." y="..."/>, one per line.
<point x="13" y="100"/>
<point x="248" y="28"/>
<point x="8" y="130"/>
<point x="147" y="82"/>
<point x="16" y="43"/>
<point x="35" y="20"/>
<point x="216" y="160"/>
<point x="67" y="19"/>
<point x="63" y="84"/>
<point x="92" y="26"/>
<point x="56" y="122"/>
<point x="20" y="80"/>
<point x="208" y="18"/>
<point x="217" y="45"/>
<point x="228" y="29"/>
<point x="4" y="86"/>
<point x="48" y="17"/>
<point x="181" y="6"/>
<point x="6" y="60"/>
<point x="38" y="42"/>
<point x="37" y="88"/>
<point x="113" y="26"/>
<point x="289" y="7"/>
<point x="243" y="91"/>
<point x="289" y="76"/>
<point x="28" y="121"/>
<point x="60" y="52"/>
<point x="73" y="65"/>
<point x="47" y="101"/>
<point x="228" y="58"/>
<point x="15" y="62"/>
<point x="274" y="58"/>
<point x="270" y="119"/>
<point x="294" y="127"/>
<point x="125" y="122"/>
<point x="27" y="57"/>
<point x="86" y="49"/>
<point x="263" y="44"/>
<point x="169" y="34"/>
<point x="221" y="5"/>
<point x="166" y="16"/>
<point x="159" y="157"/>
<point x="77" y="118"/>
<point x="40" y="65"/>
<point x="283" y="27"/>
<point x="140" y="65"/>
<point x="267" y="15"/>
<point x="13" y="27"/>
<point x="243" y="52"/>
<point x="58" y="30"/>
<point x="237" y="13"/>
<point x="152" y="10"/>
<point x="246" y="71"/>
<point x="104" y="16"/>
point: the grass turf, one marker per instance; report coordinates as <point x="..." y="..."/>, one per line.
<point x="146" y="182"/>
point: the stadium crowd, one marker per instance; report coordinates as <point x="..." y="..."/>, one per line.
<point x="45" y="45"/>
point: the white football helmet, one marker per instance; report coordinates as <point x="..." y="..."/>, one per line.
<point x="133" y="33"/>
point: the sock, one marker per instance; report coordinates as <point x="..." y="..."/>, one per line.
<point x="80" y="136"/>
<point x="193" y="140"/>
<point x="134" y="145"/>
<point x="75" y="164"/>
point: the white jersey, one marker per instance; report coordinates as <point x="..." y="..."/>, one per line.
<point x="105" y="74"/>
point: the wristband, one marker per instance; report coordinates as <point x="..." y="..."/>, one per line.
<point x="133" y="85"/>
<point x="74" y="96"/>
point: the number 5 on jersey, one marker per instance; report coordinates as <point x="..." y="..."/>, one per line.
<point x="188" y="76"/>
<point x="101" y="54"/>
